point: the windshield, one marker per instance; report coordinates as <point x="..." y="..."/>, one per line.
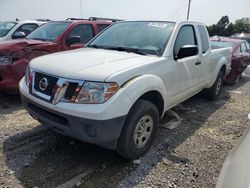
<point x="49" y="32"/>
<point x="138" y="37"/>
<point x="221" y="44"/>
<point x="5" y="28"/>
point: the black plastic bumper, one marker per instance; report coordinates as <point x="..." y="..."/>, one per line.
<point x="101" y="132"/>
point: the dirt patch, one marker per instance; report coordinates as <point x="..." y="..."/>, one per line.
<point x="190" y="155"/>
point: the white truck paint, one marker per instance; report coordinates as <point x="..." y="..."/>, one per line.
<point x="164" y="80"/>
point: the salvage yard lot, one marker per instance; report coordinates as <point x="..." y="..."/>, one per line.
<point x="189" y="156"/>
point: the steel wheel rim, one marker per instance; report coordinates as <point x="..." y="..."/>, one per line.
<point x="218" y="86"/>
<point x="143" y="131"/>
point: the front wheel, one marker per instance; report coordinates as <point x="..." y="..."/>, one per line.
<point x="213" y="92"/>
<point x="139" y="130"/>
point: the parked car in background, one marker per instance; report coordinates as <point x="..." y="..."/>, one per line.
<point x="18" y="29"/>
<point x="114" y="91"/>
<point x="51" y="37"/>
<point x="240" y="56"/>
<point x="242" y="36"/>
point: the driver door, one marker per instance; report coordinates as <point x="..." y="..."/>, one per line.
<point x="188" y="68"/>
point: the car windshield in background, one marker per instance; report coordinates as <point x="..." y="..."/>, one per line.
<point x="5" y="28"/>
<point x="145" y="38"/>
<point x="48" y="32"/>
<point x="221" y="44"/>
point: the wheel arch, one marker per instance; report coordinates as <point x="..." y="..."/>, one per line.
<point x="156" y="98"/>
<point x="147" y="87"/>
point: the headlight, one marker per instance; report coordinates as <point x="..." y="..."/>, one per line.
<point x="28" y="76"/>
<point x="27" y="72"/>
<point x="96" y="93"/>
<point x="5" y="60"/>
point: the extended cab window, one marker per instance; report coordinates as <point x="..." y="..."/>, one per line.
<point x="85" y="31"/>
<point x="186" y="36"/>
<point x="27" y="28"/>
<point x="204" y="38"/>
<point x="102" y="26"/>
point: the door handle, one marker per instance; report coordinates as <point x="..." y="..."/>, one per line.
<point x="198" y="63"/>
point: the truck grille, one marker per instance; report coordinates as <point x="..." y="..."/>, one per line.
<point x="70" y="91"/>
<point x="53" y="89"/>
<point x="51" y="83"/>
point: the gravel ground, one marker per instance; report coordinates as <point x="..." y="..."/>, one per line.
<point x="190" y="155"/>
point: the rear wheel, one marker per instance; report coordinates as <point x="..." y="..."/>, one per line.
<point x="213" y="92"/>
<point x="139" y="130"/>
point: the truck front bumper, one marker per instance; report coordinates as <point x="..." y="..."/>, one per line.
<point x="101" y="132"/>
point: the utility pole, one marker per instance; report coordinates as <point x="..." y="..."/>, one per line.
<point x="81" y="8"/>
<point x="189" y="4"/>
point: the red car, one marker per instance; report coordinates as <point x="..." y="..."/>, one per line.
<point x="52" y="37"/>
<point x="240" y="56"/>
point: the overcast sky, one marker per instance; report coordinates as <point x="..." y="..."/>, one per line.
<point x="206" y="11"/>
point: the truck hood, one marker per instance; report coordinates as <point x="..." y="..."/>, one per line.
<point x="88" y="63"/>
<point x="7" y="47"/>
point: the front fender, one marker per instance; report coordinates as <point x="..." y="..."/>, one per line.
<point x="140" y="85"/>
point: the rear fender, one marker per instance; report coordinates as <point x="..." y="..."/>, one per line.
<point x="219" y="66"/>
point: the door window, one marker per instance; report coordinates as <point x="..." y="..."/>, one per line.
<point x="27" y="28"/>
<point x="243" y="47"/>
<point x="84" y="31"/>
<point x="248" y="46"/>
<point x="186" y="36"/>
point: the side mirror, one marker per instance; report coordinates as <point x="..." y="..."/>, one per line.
<point x="18" y="35"/>
<point x="187" y="51"/>
<point x="73" y="40"/>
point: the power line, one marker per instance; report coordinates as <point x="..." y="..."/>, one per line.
<point x="181" y="12"/>
<point x="177" y="6"/>
<point x="180" y="9"/>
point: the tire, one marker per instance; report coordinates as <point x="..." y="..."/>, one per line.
<point x="213" y="92"/>
<point x="139" y="130"/>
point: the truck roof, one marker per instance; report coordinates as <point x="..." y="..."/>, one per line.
<point x="173" y="21"/>
<point x="88" y="21"/>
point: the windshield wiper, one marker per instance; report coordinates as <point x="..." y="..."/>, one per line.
<point x="133" y="50"/>
<point x="96" y="46"/>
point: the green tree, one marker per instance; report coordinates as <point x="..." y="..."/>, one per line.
<point x="242" y="25"/>
<point x="223" y="22"/>
<point x="225" y="28"/>
<point x="230" y="30"/>
<point x="220" y="28"/>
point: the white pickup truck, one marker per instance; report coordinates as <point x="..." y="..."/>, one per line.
<point x="113" y="92"/>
